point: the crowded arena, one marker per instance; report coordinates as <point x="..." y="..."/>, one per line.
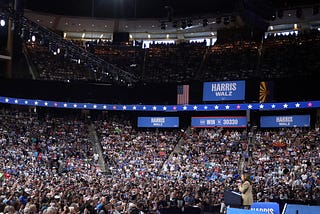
<point x="185" y="110"/>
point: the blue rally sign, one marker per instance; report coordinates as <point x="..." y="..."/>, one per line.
<point x="231" y="210"/>
<point x="207" y="122"/>
<point x="219" y="91"/>
<point x="158" y="122"/>
<point x="266" y="207"/>
<point x="285" y="121"/>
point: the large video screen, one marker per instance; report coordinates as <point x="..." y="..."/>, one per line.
<point x="228" y="90"/>
<point x="210" y="122"/>
<point x="158" y="122"/>
<point x="285" y="121"/>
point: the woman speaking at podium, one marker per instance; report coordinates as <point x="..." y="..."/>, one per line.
<point x="245" y="188"/>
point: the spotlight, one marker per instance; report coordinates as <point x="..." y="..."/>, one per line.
<point x="204" y="22"/>
<point x="2" y="22"/>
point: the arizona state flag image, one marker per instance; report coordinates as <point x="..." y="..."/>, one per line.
<point x="266" y="91"/>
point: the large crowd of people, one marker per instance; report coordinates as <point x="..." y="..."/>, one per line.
<point x="276" y="56"/>
<point x="292" y="55"/>
<point x="49" y="164"/>
<point x="51" y="65"/>
<point x="73" y="162"/>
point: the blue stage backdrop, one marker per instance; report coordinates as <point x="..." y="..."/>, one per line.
<point x="158" y="122"/>
<point x="229" y="90"/>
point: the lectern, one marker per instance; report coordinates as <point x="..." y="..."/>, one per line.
<point x="232" y="199"/>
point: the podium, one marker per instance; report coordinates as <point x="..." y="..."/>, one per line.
<point x="232" y="199"/>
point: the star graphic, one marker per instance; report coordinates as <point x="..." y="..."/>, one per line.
<point x="124" y="107"/>
<point x="15" y="101"/>
<point x="26" y="102"/>
<point x="310" y="104"/>
<point x="227" y="106"/>
<point x="75" y="105"/>
<point x="46" y="103"/>
<point x="184" y="107"/>
<point x="249" y="106"/>
<point x="297" y="105"/>
<point x="134" y="107"/>
<point x="174" y="107"/>
<point x="164" y="108"/>
<point x="36" y="103"/>
<point x="195" y="107"/>
<point x="144" y="108"/>
<point x="94" y="106"/>
<point x="205" y="107"/>
<point x="114" y="107"/>
<point x="273" y="106"/>
<point x="7" y="100"/>
<point x="104" y="107"/>
<point x="238" y="106"/>
<point x="216" y="107"/>
<point x="65" y="105"/>
<point x="261" y="106"/>
<point x="285" y="105"/>
<point x="154" y="108"/>
<point x="84" y="106"/>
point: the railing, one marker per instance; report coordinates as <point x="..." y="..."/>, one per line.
<point x="102" y="68"/>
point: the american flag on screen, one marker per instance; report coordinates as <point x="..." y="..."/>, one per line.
<point x="182" y="94"/>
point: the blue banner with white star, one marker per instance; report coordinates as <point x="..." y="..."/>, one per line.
<point x="210" y="122"/>
<point x="274" y="106"/>
<point x="285" y="121"/>
<point x="158" y="122"/>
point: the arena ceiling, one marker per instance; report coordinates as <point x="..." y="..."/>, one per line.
<point x="143" y="18"/>
<point x="130" y="8"/>
<point x="154" y="8"/>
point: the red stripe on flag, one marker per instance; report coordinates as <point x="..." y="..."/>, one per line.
<point x="183" y="94"/>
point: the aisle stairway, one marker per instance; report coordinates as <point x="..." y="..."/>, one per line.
<point x="177" y="149"/>
<point x="97" y="146"/>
